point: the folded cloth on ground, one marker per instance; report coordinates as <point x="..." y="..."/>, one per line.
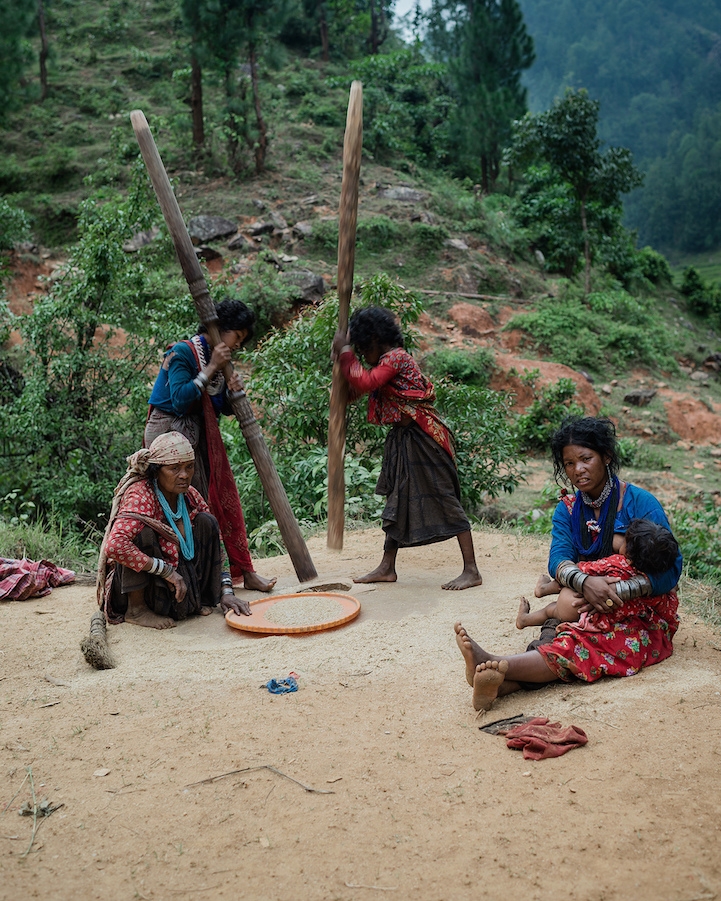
<point x="282" y="686"/>
<point x="540" y="739"/>
<point x="23" y="579"/>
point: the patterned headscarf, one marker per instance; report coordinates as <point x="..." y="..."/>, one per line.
<point x="166" y="449"/>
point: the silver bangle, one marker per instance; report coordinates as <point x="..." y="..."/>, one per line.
<point x="227" y="591"/>
<point x="570" y="576"/>
<point x="635" y="587"/>
<point x="201" y="381"/>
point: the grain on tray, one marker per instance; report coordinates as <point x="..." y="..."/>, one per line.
<point x="304" y="611"/>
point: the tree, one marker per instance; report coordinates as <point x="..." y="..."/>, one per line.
<point x="221" y="31"/>
<point x="565" y="138"/>
<point x="16" y="21"/>
<point x="487" y="47"/>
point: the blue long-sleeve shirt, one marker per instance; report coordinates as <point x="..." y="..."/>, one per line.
<point x="637" y="504"/>
<point x="174" y="390"/>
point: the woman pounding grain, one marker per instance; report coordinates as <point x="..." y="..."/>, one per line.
<point x="418" y="477"/>
<point x="189" y="396"/>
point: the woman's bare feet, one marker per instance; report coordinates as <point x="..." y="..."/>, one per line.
<point x="254" y="582"/>
<point x="379" y="574"/>
<point x="144" y="617"/>
<point x="467" y="579"/>
<point x="205" y="611"/>
<point x="545" y="586"/>
<point x="472" y="652"/>
<point x="487" y="681"/>
<point x="524" y="608"/>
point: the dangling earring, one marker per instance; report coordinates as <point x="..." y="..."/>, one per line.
<point x="608" y="473"/>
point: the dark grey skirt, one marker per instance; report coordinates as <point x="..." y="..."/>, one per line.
<point x="201" y="574"/>
<point x="420" y="483"/>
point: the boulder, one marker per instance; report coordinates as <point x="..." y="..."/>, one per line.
<point x="278" y="220"/>
<point x="203" y="252"/>
<point x="402" y="193"/>
<point x="456" y="244"/>
<point x="423" y="216"/>
<point x="303" y="229"/>
<point x="261" y="228"/>
<point x="210" y="228"/>
<point x="141" y="239"/>
<point x="310" y="285"/>
<point x="640" y="397"/>
<point x="241" y="243"/>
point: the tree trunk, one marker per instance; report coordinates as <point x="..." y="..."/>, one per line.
<point x="43" y="52"/>
<point x="261" y="145"/>
<point x="374" y="37"/>
<point x="196" y="102"/>
<point x="484" y="174"/>
<point x="586" y="249"/>
<point x="323" y="31"/>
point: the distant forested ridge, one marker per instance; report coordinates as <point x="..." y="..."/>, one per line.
<point x="655" y="66"/>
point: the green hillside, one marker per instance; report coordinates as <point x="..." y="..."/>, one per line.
<point x="656" y="68"/>
<point x="75" y="392"/>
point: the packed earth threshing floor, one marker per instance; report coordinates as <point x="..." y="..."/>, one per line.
<point x="415" y="801"/>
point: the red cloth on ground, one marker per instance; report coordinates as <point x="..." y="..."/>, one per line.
<point x="540" y="739"/>
<point x="397" y="388"/>
<point x="23" y="579"/>
<point x="618" y="643"/>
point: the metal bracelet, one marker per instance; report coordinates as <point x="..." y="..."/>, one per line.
<point x="201" y="381"/>
<point x="570" y="576"/>
<point x="635" y="587"/>
<point x="166" y="572"/>
<point x="227" y="591"/>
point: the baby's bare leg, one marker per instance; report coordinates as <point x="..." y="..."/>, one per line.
<point x="525" y="618"/>
<point x="565" y="609"/>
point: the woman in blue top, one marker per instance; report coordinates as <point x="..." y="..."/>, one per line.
<point x="189" y="395"/>
<point x="630" y="623"/>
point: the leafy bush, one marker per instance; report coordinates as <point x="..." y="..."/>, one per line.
<point x="551" y="405"/>
<point x="638" y="454"/>
<point x="14" y="224"/>
<point x="610" y="328"/>
<point x="377" y="233"/>
<point x="698" y="532"/>
<point x="654" y="266"/>
<point x="263" y="290"/>
<point x="471" y="368"/>
<point x="701" y="299"/>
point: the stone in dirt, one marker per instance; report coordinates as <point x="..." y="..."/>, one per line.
<point x="640" y="397"/>
<point x="210" y="228"/>
<point x="240" y="242"/>
<point x="402" y="193"/>
<point x="141" y="239"/>
<point x="310" y="285"/>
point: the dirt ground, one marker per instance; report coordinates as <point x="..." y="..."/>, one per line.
<point x="413" y="800"/>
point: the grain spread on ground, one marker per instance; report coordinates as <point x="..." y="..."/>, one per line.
<point x="305" y="611"/>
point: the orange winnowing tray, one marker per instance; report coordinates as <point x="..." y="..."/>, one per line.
<point x="287" y="614"/>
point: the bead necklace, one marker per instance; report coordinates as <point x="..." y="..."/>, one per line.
<point x="598" y="503"/>
<point x="187" y="542"/>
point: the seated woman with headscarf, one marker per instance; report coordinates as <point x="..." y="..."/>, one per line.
<point x="160" y="560"/>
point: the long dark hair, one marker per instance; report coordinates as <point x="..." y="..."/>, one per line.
<point x="233" y="316"/>
<point x="593" y="432"/>
<point x="374" y="325"/>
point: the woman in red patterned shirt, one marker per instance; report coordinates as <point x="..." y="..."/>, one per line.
<point x="160" y="559"/>
<point x="418" y="477"/>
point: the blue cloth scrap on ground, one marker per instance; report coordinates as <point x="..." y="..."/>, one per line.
<point x="282" y="686"/>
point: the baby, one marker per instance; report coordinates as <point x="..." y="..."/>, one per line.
<point x="646" y="546"/>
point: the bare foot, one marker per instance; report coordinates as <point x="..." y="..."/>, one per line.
<point x="542" y="586"/>
<point x="487" y="681"/>
<point x="148" y="619"/>
<point x="380" y="574"/>
<point x="472" y="652"/>
<point x="253" y="582"/>
<point x="205" y="611"/>
<point x="467" y="579"/>
<point x="524" y="608"/>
